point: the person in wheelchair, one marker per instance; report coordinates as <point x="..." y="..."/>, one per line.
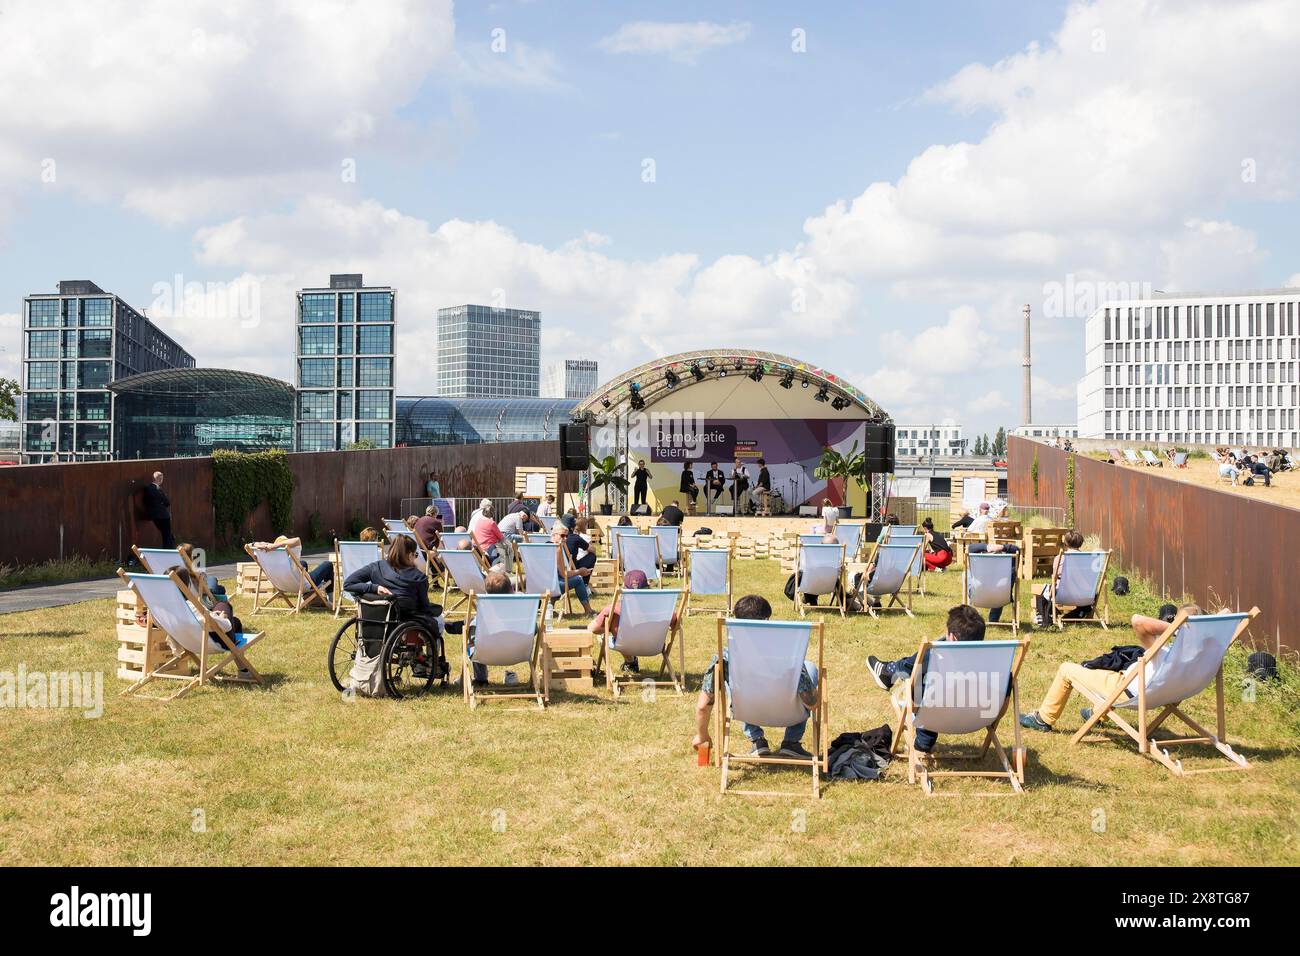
<point x="397" y="579"/>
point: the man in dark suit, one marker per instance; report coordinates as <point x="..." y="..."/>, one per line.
<point x="157" y="508"/>
<point x="715" y="483"/>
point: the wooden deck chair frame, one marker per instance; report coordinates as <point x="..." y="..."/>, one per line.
<point x="539" y="677"/>
<point x="693" y="604"/>
<point x="678" y="571"/>
<point x="895" y="603"/>
<point x="916" y="582"/>
<point x="1100" y="600"/>
<point x="1014" y="623"/>
<point x="676" y="679"/>
<point x="567" y="592"/>
<point x="449" y="585"/>
<point x="923" y="768"/>
<point x="658" y="581"/>
<point x="309" y="592"/>
<point x="1104" y="708"/>
<point x="200" y="580"/>
<point x="1131" y="457"/>
<point x="208" y="669"/>
<point x="432" y="566"/>
<point x="340" y="595"/>
<point x="842" y="605"/>
<point x="819" y="717"/>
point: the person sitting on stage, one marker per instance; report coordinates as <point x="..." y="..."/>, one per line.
<point x="688" y="485"/>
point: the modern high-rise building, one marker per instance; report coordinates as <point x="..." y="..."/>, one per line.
<point x="486" y="352"/>
<point x="344" y="374"/>
<point x="1205" y="368"/>
<point x="75" y="342"/>
<point x="924" y="441"/>
<point x="572" y="378"/>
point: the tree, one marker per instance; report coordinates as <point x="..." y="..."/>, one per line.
<point x="982" y="445"/>
<point x="9" y="392"/>
<point x="1000" y="442"/>
<point x="362" y="444"/>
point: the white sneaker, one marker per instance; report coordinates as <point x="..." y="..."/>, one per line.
<point x="511" y="678"/>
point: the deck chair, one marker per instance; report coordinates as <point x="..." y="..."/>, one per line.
<point x="819" y="569"/>
<point x="548" y="522"/>
<point x="162" y="560"/>
<point x="466" y="573"/>
<point x="640" y="552"/>
<point x="282" y="567"/>
<point x="1116" y="455"/>
<point x="1082" y="583"/>
<point x="849" y="535"/>
<point x="764" y="659"/>
<point x="670" y="545"/>
<point x="1131" y="458"/>
<point x="540" y="571"/>
<point x="961" y="687"/>
<point x="708" y="575"/>
<point x="1182" y="662"/>
<point x="915" y="581"/>
<point x="993" y="580"/>
<point x="395" y="524"/>
<point x="1150" y="460"/>
<point x="616" y="532"/>
<point x="649" y="625"/>
<point x="507" y="630"/>
<point x="421" y="555"/>
<point x="893" y="564"/>
<point x="352" y="556"/>
<point x="1180" y="459"/>
<point x="187" y="627"/>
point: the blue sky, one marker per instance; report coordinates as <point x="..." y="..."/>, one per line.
<point x="910" y="178"/>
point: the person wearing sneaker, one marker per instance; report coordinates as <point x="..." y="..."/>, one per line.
<point x="1101" y="682"/>
<point x="634" y="580"/>
<point x="964" y="624"/>
<point x="754" y="607"/>
<point x="494" y="582"/>
<point x="982" y="547"/>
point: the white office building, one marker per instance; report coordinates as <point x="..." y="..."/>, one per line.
<point x="1046" y="431"/>
<point x="572" y="378"/>
<point x="1212" y="368"/>
<point x="941" y="440"/>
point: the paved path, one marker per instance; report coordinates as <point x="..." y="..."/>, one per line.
<point x="57" y="595"/>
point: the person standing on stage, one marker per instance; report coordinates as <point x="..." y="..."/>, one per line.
<point x="157" y="508"/>
<point x="715" y="483"/>
<point x="740" y="487"/>
<point x="640" y="483"/>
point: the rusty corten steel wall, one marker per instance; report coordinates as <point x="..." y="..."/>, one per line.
<point x="1218" y="548"/>
<point x="93" y="509"/>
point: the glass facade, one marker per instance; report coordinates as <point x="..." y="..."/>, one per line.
<point x="188" y="412"/>
<point x="76" y="344"/>
<point x="485" y="352"/>
<point x="438" y="420"/>
<point x="345" y="365"/>
<point x="572" y="378"/>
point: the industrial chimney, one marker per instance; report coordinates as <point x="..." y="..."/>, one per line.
<point x="1027" y="388"/>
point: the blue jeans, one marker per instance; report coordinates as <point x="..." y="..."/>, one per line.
<point x="793" y="733"/>
<point x="995" y="613"/>
<point x="323" y="575"/>
<point x="902" y="668"/>
<point x="578" y="586"/>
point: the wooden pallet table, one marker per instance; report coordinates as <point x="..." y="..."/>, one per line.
<point x="141" y="648"/>
<point x="567" y="655"/>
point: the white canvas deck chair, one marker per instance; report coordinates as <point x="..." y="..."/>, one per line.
<point x="616" y="532"/>
<point x="1082" y="583"/>
<point x="850" y="535"/>
<point x="352" y="556"/>
<point x="649" y="625"/>
<point x="451" y="539"/>
<point x="548" y="522"/>
<point x="670" y="546"/>
<point x="990" y="581"/>
<point x="764" y="659"/>
<point x="1130" y="457"/>
<point x="893" y="563"/>
<point x="961" y="687"/>
<point x="915" y="581"/>
<point x="819" y="569"/>
<point x="282" y="567"/>
<point x="162" y="560"/>
<point x="395" y="524"/>
<point x="1151" y="460"/>
<point x="640" y="552"/>
<point x="188" y="628"/>
<point x="1180" y="459"/>
<point x="708" y="578"/>
<point x="466" y="573"/>
<point x="1181" y="663"/>
<point x="540" y="572"/>
<point x="507" y="630"/>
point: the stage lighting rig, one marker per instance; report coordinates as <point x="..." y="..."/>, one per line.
<point x="697" y="372"/>
<point x="787" y="380"/>
<point x="839" y="403"/>
<point x="757" y="373"/>
<point x="822" y="395"/>
<point x="671" y="378"/>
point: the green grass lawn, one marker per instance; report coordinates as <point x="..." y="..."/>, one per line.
<point x="294" y="774"/>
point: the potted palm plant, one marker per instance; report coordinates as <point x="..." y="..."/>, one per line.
<point x="849" y="467"/>
<point x="607" y="472"/>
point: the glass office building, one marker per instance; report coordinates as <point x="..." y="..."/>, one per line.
<point x="344" y="367"/>
<point x="438" y="420"/>
<point x="76" y="342"/>
<point x="572" y="378"/>
<point x="485" y="352"/>
<point x="180" y="413"/>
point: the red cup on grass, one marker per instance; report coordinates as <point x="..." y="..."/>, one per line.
<point x="702" y="755"/>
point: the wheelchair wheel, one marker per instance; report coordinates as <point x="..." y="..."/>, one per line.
<point x="342" y="652"/>
<point x="412" y="660"/>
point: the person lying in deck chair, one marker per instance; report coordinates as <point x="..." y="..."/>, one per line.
<point x="754" y="607"/>
<point x="221" y="611"/>
<point x="322" y="575"/>
<point x="1100" y="681"/>
<point x="1073" y="541"/>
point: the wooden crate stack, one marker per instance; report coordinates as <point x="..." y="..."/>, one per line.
<point x="140" y="648"/>
<point x="762" y="547"/>
<point x="1042" y="545"/>
<point x="604" y="576"/>
<point x="569" y="660"/>
<point x="744" y="548"/>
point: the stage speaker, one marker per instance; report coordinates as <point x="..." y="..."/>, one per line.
<point x="878" y="447"/>
<point x="575" y="447"/>
<point x="808" y="511"/>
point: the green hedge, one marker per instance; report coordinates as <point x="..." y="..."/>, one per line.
<point x="241" y="482"/>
